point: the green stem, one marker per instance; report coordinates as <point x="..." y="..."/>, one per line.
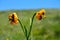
<point x="21" y="25"/>
<point x="24" y="29"/>
<point x="27" y="38"/>
<point x="26" y="32"/>
<point x="31" y="25"/>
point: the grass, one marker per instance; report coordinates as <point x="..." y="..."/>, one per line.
<point x="47" y="29"/>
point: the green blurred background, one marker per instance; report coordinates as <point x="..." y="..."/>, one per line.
<point x="45" y="29"/>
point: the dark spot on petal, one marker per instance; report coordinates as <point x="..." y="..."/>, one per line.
<point x="43" y="13"/>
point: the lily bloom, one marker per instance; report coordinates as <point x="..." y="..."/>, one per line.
<point x="40" y="14"/>
<point x="13" y="18"/>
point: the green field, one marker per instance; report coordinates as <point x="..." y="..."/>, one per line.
<point x="45" y="29"/>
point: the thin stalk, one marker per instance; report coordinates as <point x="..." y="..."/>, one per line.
<point x="26" y="32"/>
<point x="24" y="29"/>
<point x="21" y="25"/>
<point x="31" y="25"/>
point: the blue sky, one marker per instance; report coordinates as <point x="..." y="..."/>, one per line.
<point x="28" y="4"/>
